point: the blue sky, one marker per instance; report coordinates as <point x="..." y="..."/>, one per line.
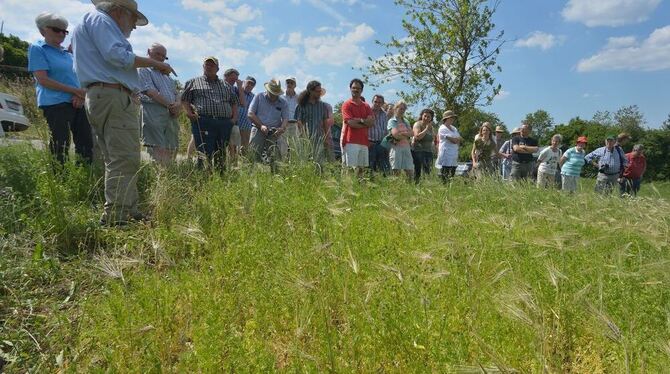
<point x="569" y="57"/>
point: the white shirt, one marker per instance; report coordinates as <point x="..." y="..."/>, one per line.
<point x="447" y="154"/>
<point x="549" y="158"/>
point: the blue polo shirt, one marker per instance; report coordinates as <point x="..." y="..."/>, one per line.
<point x="57" y="62"/>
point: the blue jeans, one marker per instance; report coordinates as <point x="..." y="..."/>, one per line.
<point x="211" y="136"/>
<point x="379" y="158"/>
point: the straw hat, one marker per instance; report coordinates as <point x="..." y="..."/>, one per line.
<point x="211" y="58"/>
<point x="448" y="114"/>
<point x="517" y="130"/>
<point x="131" y="5"/>
<point x="500" y="129"/>
<point x="274" y="87"/>
<point x="323" y="92"/>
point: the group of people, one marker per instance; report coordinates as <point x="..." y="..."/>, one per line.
<point x="115" y="101"/>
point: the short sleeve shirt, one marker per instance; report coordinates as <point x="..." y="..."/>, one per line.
<point x="312" y="115"/>
<point x="574" y="161"/>
<point x="350" y="110"/>
<point x="549" y="158"/>
<point x="58" y="63"/>
<point x="210" y="97"/>
<point x="270" y="113"/>
<point x="523" y="157"/>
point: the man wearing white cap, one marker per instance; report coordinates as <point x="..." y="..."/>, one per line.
<point x="291" y="98"/>
<point x="107" y="67"/>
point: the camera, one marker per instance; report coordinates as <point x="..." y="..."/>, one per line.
<point x="604" y="168"/>
<point x="272" y="131"/>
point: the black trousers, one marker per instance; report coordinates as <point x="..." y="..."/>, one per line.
<point x="64" y="119"/>
<point x="423" y="161"/>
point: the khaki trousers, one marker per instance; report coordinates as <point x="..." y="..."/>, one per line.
<point x="114" y="118"/>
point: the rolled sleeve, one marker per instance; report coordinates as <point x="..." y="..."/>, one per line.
<point x="253" y="108"/>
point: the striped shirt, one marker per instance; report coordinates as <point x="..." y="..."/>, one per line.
<point x="151" y="79"/>
<point x="574" y="161"/>
<point x="210" y="97"/>
<point x="313" y="115"/>
<point x="377" y="132"/>
<point x="244" y="122"/>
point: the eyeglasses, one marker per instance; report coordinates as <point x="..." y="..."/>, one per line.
<point x="57" y="30"/>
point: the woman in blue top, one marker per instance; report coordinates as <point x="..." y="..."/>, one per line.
<point x="58" y="92"/>
<point x="571" y="164"/>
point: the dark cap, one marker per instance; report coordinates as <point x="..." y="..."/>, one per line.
<point x="230" y="71"/>
<point x="250" y="78"/>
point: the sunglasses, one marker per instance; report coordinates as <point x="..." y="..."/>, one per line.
<point x="56" y="29"/>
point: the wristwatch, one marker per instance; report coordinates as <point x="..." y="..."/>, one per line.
<point x="361" y="121"/>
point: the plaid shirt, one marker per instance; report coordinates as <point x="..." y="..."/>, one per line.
<point x="377" y="132"/>
<point x="244" y="121"/>
<point x="210" y="97"/>
<point x="151" y="79"/>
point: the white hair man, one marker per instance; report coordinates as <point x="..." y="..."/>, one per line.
<point x="160" y="110"/>
<point x="107" y="67"/>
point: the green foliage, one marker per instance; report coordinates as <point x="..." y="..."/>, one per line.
<point x="448" y="55"/>
<point x="16" y="51"/>
<point x="657" y="152"/>
<point x="629" y="119"/>
<point x="542" y="124"/>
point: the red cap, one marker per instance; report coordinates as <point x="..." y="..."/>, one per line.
<point x="582" y="139"/>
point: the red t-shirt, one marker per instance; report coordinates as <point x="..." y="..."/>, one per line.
<point x="352" y="110"/>
<point x="636" y="166"/>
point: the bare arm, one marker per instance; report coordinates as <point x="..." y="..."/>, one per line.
<point x="473" y="154"/>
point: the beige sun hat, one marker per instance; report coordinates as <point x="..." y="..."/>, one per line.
<point x="448" y="114"/>
<point x="500" y="129"/>
<point x="131" y="5"/>
<point x="274" y="87"/>
<point x="517" y="130"/>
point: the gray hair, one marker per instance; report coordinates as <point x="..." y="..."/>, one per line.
<point x="638" y="147"/>
<point x="46" y="19"/>
<point x="559" y="137"/>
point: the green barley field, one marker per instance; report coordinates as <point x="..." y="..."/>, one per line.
<point x="308" y="272"/>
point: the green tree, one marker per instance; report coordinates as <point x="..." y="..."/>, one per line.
<point x="629" y="119"/>
<point x="16" y="51"/>
<point x="448" y="56"/>
<point x="657" y="152"/>
<point x="542" y="124"/>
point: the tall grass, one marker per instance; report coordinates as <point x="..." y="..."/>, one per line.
<point x="298" y="271"/>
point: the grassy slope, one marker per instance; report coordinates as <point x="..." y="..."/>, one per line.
<point x="255" y="272"/>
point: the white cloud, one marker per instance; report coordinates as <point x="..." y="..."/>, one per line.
<point x="339" y="50"/>
<point x="502" y="95"/>
<point x="627" y="53"/>
<point x="539" y="39"/>
<point x="255" y="33"/>
<point x="594" y="13"/>
<point x="279" y="59"/>
<point x="19" y="15"/>
<point x="294" y="38"/>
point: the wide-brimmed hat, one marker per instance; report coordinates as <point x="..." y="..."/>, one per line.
<point x="448" y="114"/>
<point x="211" y="58"/>
<point x="131" y="5"/>
<point x="274" y="87"/>
<point x="500" y="129"/>
<point x="582" y="139"/>
<point x="291" y="79"/>
<point x="323" y="92"/>
<point x="517" y="130"/>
